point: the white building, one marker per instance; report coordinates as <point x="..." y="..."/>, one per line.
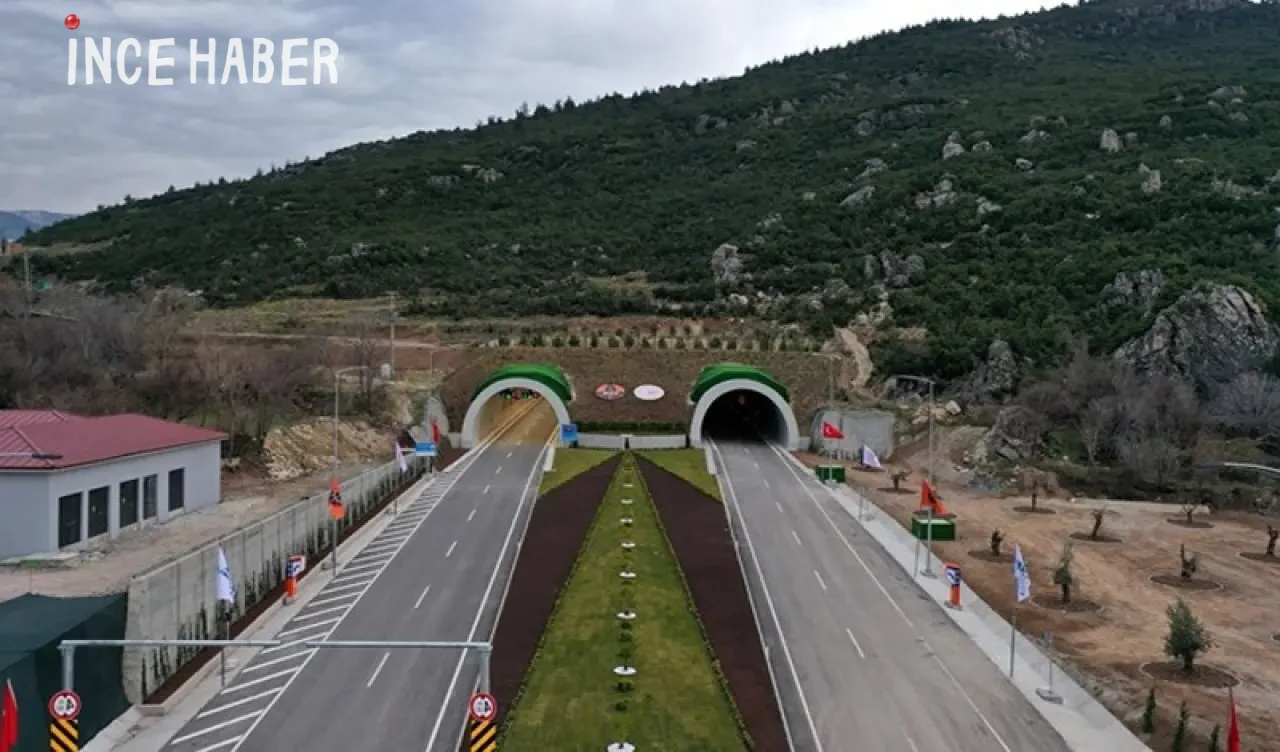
<point x="66" y="480"/>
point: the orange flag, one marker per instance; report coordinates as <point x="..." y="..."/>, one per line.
<point x="929" y="499"/>
<point x="335" y="498"/>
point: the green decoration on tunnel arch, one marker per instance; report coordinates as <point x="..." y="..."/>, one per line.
<point x="719" y="379"/>
<point x="546" y="379"/>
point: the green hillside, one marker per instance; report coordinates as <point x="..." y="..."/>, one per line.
<point x="546" y="211"/>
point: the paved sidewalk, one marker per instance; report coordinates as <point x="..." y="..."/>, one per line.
<point x="1082" y="721"/>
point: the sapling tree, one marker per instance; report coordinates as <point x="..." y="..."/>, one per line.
<point x="997" y="538"/>
<point x="1181" y="731"/>
<point x="1035" y="493"/>
<point x="898" y="476"/>
<point x="1189" y="511"/>
<point x="1272" y="534"/>
<point x="1188" y="638"/>
<point x="1063" y="576"/>
<point x="1099" y="515"/>
<point x="1188" y="564"/>
<point x="1149" y="713"/>
<point x="1213" y="738"/>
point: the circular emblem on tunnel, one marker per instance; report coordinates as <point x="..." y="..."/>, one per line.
<point x="610" y="392"/>
<point x="648" y="392"/>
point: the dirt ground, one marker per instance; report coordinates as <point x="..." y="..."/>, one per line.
<point x="696" y="526"/>
<point x="1106" y="649"/>
<point x="557" y="528"/>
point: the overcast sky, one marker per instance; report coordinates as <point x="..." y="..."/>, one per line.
<point x="404" y="66"/>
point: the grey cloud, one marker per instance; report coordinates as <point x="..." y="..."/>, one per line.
<point x="405" y="65"/>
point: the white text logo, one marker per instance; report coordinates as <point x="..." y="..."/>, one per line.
<point x="259" y="66"/>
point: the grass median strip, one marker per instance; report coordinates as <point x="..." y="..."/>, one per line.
<point x="689" y="464"/>
<point x="572" y="700"/>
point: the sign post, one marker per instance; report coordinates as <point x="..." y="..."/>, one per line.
<point x="482" y="709"/>
<point x="64" y="723"/>
<point x="952" y="573"/>
<point x="425" y="449"/>
<point x="293" y="569"/>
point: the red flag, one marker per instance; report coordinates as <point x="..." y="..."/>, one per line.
<point x="1233" y="725"/>
<point x="435" y="432"/>
<point x="929" y="499"/>
<point x="335" y="502"/>
<point x="8" y="719"/>
<point x="831" y="432"/>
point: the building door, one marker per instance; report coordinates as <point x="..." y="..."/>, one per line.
<point x="177" y="489"/>
<point x="98" y="512"/>
<point x="69" y="519"/>
<point x="129" y="503"/>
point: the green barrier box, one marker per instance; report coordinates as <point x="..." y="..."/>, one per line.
<point x="943" y="530"/>
<point x="830" y="472"/>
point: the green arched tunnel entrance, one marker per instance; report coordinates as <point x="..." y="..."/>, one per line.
<point x="498" y="398"/>
<point x="736" y="401"/>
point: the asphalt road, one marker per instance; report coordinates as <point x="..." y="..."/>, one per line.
<point x="862" y="658"/>
<point x="438" y="572"/>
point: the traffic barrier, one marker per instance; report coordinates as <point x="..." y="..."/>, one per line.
<point x="482" y="736"/>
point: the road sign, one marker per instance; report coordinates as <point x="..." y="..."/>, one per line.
<point x="295" y="566"/>
<point x="569" y="433"/>
<point x="952" y="573"/>
<point x="425" y="449"/>
<point x="65" y="705"/>
<point x="482" y="706"/>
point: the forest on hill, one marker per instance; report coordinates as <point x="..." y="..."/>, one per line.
<point x="1057" y="175"/>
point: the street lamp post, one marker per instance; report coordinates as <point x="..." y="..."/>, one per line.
<point x="928" y="561"/>
<point x="392" y="354"/>
<point x="337" y="392"/>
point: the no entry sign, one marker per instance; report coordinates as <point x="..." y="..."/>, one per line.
<point x="482" y="707"/>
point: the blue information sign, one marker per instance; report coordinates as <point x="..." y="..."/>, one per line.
<point x="425" y="449"/>
<point x="569" y="432"/>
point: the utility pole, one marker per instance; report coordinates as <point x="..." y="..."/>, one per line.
<point x="393" y="335"/>
<point x="26" y="271"/>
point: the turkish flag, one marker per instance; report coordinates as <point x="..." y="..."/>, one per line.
<point x="1233" y="725"/>
<point x="831" y="432"/>
<point x="435" y="432"/>
<point x="8" y="719"/>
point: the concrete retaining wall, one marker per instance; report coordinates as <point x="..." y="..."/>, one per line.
<point x="871" y="427"/>
<point x="178" y="600"/>
<point x="624" y="441"/>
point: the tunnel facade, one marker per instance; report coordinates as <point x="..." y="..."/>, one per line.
<point x="725" y="386"/>
<point x="548" y="381"/>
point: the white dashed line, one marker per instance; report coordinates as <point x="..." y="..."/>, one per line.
<point x="820" y="582"/>
<point x="215" y="727"/>
<point x="779" y="506"/>
<point x="486" y="490"/>
<point x="237" y="703"/>
<point x="854" y="640"/>
<point x="498" y="471"/>
<point x="452" y="546"/>
<point x="471" y="516"/>
<point x="422" y="597"/>
<point x="509" y="454"/>
<point x="756" y="464"/>
<point x="793" y="535"/>
<point x="765" y="481"/>
<point x="378" y="670"/>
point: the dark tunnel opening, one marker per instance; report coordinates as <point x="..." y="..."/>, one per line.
<point x="744" y="415"/>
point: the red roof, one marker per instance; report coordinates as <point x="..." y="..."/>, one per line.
<point x="82" y="441"/>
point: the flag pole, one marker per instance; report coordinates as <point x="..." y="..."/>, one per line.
<point x="1013" y="633"/>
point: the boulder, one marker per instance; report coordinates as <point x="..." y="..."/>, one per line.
<point x="1138" y="288"/>
<point x="726" y="264"/>
<point x="1207" y="336"/>
<point x="1110" y="141"/>
<point x="996" y="377"/>
<point x="1015" y="437"/>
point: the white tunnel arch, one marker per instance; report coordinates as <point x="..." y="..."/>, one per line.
<point x="470" y="422"/>
<point x="790" y="429"/>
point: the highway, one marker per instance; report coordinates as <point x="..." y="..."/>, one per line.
<point x="862" y="658"/>
<point x="438" y="572"/>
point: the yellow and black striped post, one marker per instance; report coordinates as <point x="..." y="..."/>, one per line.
<point x="483" y="736"/>
<point x="64" y="736"/>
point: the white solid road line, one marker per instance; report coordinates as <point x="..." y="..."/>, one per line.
<point x="972" y="705"/>
<point x="342" y="588"/>
<point x="821" y="584"/>
<point x="462" y="470"/>
<point x="484" y="599"/>
<point x="307" y="628"/>
<point x="321" y="612"/>
<point x="275" y="661"/>
<point x="854" y="640"/>
<point x="295" y="643"/>
<point x="256" y="682"/>
<point x="422" y="597"/>
<point x="797" y="537"/>
<point x="216" y="727"/>
<point x="452" y="546"/>
<point x="378" y="670"/>
<point x="237" y="703"/>
<point x="471" y="516"/>
<point x="221" y="744"/>
<point x="334" y="599"/>
<point x="768" y="599"/>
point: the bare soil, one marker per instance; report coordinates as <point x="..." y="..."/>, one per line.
<point x="1039" y="509"/>
<point x="698" y="530"/>
<point x="557" y="529"/>
<point x="1053" y="602"/>
<point x="1194" y="524"/>
<point x="1100" y="538"/>
<point x="1186" y="583"/>
<point x="984" y="554"/>
<point x="1261" y="558"/>
<point x="1105" y="650"/>
<point x="1199" y="676"/>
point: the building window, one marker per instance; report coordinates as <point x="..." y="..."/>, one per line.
<point x="129" y="503"/>
<point x="69" y="519"/>
<point x="150" y="496"/>
<point x="99" y="498"/>
<point x="177" y="489"/>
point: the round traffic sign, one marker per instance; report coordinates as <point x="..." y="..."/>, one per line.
<point x="482" y="706"/>
<point x="65" y="705"/>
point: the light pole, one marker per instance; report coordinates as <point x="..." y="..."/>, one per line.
<point x="392" y="355"/>
<point x="928" y="561"/>
<point x="337" y="392"/>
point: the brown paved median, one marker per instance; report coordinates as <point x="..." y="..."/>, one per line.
<point x="557" y="529"/>
<point x="698" y="529"/>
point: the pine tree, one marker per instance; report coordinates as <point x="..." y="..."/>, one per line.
<point x="1180" y="733"/>
<point x="1149" y="713"/>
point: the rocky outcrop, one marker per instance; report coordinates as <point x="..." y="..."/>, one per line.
<point x="1151" y="181"/>
<point x="892" y="269"/>
<point x="1207" y="337"/>
<point x="1024" y="164"/>
<point x="953" y="147"/>
<point x="942" y="194"/>
<point x="1014" y="437"/>
<point x="726" y="264"/>
<point x="1138" y="288"/>
<point x="1110" y="141"/>
<point x="875" y="166"/>
<point x="852" y="347"/>
<point x="858" y="197"/>
<point x="996" y="377"/>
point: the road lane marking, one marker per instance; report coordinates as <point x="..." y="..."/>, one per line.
<point x="334" y="599"/>
<point x="793" y="535"/>
<point x="755" y="464"/>
<point x="214" y="727"/>
<point x="972" y="705"/>
<point x="768" y="599"/>
<point x="378" y="670"/>
<point x="471" y="516"/>
<point x="275" y="661"/>
<point x="765" y="481"/>
<point x="363" y="577"/>
<point x="446" y="706"/>
<point x="854" y="640"/>
<point x="348" y="586"/>
<point x="321" y="612"/>
<point x="486" y="490"/>
<point x="422" y="597"/>
<point x="509" y="454"/>
<point x="498" y="471"/>
<point x="295" y="643"/>
<point x="820" y="582"/>
<point x="221" y="744"/>
<point x="307" y="627"/>
<point x="462" y="469"/>
<point x="911" y="744"/>
<point x="452" y="546"/>
<point x="237" y="703"/>
<point x="778" y="505"/>
<point x="260" y="680"/>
